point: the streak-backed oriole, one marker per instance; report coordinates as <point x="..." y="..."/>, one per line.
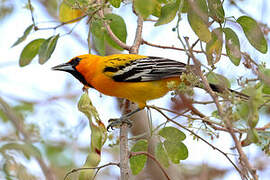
<point x="134" y="77"/>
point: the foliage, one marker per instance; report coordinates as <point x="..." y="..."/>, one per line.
<point x="219" y="35"/>
<point x="137" y="162"/>
<point x="98" y="136"/>
<point x="174" y="148"/>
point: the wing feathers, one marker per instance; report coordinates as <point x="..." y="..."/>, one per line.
<point x="147" y="69"/>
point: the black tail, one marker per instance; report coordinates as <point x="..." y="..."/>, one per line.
<point x="221" y="89"/>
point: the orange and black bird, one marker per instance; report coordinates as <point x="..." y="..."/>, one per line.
<point x="134" y="77"/>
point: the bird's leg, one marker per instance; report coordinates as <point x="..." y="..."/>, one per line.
<point x="123" y="119"/>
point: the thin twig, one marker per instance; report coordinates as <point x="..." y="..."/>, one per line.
<point x="153" y="158"/>
<point x="170" y="47"/>
<point x="203" y="118"/>
<point x="150" y="20"/>
<point x="109" y="30"/>
<point x="194" y="44"/>
<point x="89" y="168"/>
<point x="219" y="126"/>
<point x="207" y="102"/>
<point x="199" y="137"/>
<point x="31" y="11"/>
<point x="232" y="2"/>
<point x="63" y="23"/>
<point x="138" y="38"/>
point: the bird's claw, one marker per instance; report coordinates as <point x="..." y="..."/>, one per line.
<point x="117" y="122"/>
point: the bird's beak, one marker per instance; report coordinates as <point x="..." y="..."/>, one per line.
<point x="63" y="67"/>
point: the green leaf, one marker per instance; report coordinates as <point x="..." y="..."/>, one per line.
<point x="46" y="49"/>
<point x="168" y="13"/>
<point x="172" y="134"/>
<point x="266" y="89"/>
<point x="176" y="151"/>
<point x="30" y="51"/>
<point x="199" y="7"/>
<point x="68" y="13"/>
<point x="252" y="137"/>
<point x="266" y="86"/>
<point x="137" y="162"/>
<point x="115" y="3"/>
<point x="85" y="106"/>
<point x="216" y="10"/>
<point x="242" y="109"/>
<point x="92" y="160"/>
<point x="214" y="46"/>
<point x="157" y="9"/>
<point x="265" y="74"/>
<point x="214" y="78"/>
<point x="253" y="33"/>
<point x="144" y="7"/>
<point x="98" y="136"/>
<point x="198" y="19"/>
<point x="232" y="46"/>
<point x="185" y="6"/>
<point x="253" y="118"/>
<point x="100" y="45"/>
<point x="118" y="27"/>
<point x="27" y="149"/>
<point x="248" y="111"/>
<point x="161" y="155"/>
<point x="25" y="34"/>
<point x="98" y="31"/>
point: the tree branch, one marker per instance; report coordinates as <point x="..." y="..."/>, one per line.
<point x="228" y="124"/>
<point x="88" y="168"/>
<point x="167" y="47"/>
<point x="174" y="48"/>
<point x="138" y="38"/>
<point x="124" y="166"/>
<point x="109" y="30"/>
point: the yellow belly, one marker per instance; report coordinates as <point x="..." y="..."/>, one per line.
<point x="138" y="92"/>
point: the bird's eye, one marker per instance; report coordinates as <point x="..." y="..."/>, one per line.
<point x="75" y="61"/>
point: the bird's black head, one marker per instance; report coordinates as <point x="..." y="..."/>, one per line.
<point x="70" y="67"/>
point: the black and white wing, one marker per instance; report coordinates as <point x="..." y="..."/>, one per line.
<point x="149" y="69"/>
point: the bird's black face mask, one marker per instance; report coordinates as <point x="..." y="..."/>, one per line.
<point x="70" y="67"/>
